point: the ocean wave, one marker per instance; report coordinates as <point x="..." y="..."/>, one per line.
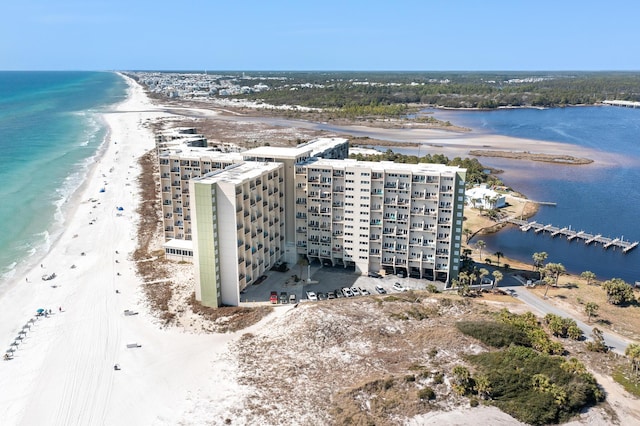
<point x="9" y="272"/>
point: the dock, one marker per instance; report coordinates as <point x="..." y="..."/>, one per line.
<point x="626" y="104"/>
<point x="570" y="235"/>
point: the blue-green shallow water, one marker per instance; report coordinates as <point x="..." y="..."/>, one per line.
<point x="597" y="200"/>
<point x="50" y="129"/>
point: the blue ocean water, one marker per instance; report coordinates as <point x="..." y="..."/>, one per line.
<point x="598" y="200"/>
<point x="50" y="129"/>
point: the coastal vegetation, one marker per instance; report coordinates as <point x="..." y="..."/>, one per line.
<point x="526" y="377"/>
<point x="520" y="155"/>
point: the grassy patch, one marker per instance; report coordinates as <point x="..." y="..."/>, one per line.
<point x="230" y="318"/>
<point x="624" y="376"/>
<point x="498" y="335"/>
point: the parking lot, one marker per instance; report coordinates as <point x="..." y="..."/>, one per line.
<point x="325" y="279"/>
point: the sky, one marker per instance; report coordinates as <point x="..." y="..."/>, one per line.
<point x="340" y="35"/>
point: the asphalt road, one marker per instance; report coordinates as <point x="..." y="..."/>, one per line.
<point x="616" y="343"/>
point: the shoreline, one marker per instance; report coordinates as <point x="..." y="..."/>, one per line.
<point x="63" y="363"/>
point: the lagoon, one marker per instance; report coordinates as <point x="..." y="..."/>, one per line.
<point x="602" y="198"/>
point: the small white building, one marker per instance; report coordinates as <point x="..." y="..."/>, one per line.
<point x="481" y="196"/>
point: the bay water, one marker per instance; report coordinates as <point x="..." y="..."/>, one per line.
<point x="594" y="199"/>
<point x="50" y="130"/>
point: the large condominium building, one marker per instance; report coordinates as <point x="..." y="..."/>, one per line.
<point x="235" y="214"/>
<point x="398" y="217"/>
<point x="238" y="228"/>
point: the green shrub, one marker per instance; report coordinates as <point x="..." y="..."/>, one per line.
<point x="534" y="387"/>
<point x="409" y="378"/>
<point x="474" y="402"/>
<point x="426" y="394"/>
<point x="494" y="334"/>
<point x="438" y="378"/>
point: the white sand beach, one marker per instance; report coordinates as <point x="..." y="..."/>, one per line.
<point x="62" y="371"/>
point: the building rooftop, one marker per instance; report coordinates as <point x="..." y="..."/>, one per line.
<point x="188" y="152"/>
<point x="383" y="165"/>
<point x="238" y="173"/>
<point x="179" y="244"/>
<point x="313" y="147"/>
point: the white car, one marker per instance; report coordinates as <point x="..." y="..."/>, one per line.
<point x="364" y="291"/>
<point x="355" y="291"/>
<point x="399" y="287"/>
<point x="380" y="289"/>
<point x="347" y="292"/>
<point x="311" y="296"/>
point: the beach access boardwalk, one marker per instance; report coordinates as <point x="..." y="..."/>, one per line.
<point x="570" y="234"/>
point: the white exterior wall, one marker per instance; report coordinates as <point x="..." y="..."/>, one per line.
<point x="227" y="243"/>
<point x="380" y="216"/>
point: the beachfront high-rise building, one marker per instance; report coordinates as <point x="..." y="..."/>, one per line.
<point x="238" y="228"/>
<point x="235" y="214"/>
<point x="403" y="218"/>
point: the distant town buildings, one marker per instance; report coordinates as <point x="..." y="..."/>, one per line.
<point x="235" y="214"/>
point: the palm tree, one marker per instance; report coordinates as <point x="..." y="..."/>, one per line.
<point x="467" y="233"/>
<point x="555" y="270"/>
<point x="499" y="254"/>
<point x="633" y="352"/>
<point x="538" y="260"/>
<point x="483" y="272"/>
<point x="480" y="245"/>
<point x="551" y="274"/>
<point x="497" y="277"/>
<point x="590" y="309"/>
<point x="589" y="276"/>
<point x="483" y="386"/>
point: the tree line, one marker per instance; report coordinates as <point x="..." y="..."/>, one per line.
<point x="453" y="90"/>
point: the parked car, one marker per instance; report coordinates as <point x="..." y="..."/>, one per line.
<point x="399" y="287"/>
<point x="311" y="296"/>
<point x="260" y="279"/>
<point x="331" y="295"/>
<point x="338" y="293"/>
<point x="380" y="289"/>
<point x="274" y="297"/>
<point x="283" y="297"/>
<point x="401" y="274"/>
<point x="375" y="275"/>
<point x="364" y="291"/>
<point x="292" y="298"/>
<point x="322" y="296"/>
<point x="347" y="292"/>
<point x="355" y="291"/>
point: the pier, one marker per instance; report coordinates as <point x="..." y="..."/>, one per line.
<point x="570" y="235"/>
<point x="626" y="104"/>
